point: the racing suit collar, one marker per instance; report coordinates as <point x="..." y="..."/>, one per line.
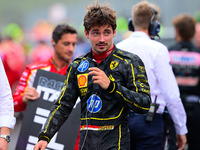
<point x="100" y="57"/>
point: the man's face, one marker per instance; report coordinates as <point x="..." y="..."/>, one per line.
<point x="101" y="38"/>
<point x="65" y="47"/>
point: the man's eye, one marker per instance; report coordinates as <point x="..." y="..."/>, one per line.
<point x="66" y="44"/>
<point x="95" y="33"/>
<point x="107" y="33"/>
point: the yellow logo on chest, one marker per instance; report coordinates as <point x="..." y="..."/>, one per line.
<point x="113" y="65"/>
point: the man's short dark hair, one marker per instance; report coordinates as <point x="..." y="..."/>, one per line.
<point x="98" y="15"/>
<point x="62" y="29"/>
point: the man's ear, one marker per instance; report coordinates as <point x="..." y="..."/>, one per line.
<point x="86" y="34"/>
<point x="53" y="42"/>
<point x="114" y="33"/>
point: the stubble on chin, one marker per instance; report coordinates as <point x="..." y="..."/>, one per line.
<point x="100" y="50"/>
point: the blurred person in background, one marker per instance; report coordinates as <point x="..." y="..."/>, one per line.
<point x="13" y="57"/>
<point x="185" y="61"/>
<point x="148" y="131"/>
<point x="7" y="119"/>
<point x="64" y="40"/>
<point x="12" y="52"/>
<point x="39" y="37"/>
<point x="197" y="35"/>
<point x="42" y="51"/>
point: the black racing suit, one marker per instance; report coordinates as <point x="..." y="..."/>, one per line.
<point x="185" y="60"/>
<point x="104" y="113"/>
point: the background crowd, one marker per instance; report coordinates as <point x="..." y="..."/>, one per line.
<point x="23" y="44"/>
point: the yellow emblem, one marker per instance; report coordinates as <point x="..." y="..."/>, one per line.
<point x="111" y="77"/>
<point x="82" y="80"/>
<point x="113" y="65"/>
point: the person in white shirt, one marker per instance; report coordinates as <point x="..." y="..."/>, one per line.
<point x="7" y="119"/>
<point x="147" y="133"/>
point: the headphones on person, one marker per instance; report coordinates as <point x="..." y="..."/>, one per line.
<point x="154" y="27"/>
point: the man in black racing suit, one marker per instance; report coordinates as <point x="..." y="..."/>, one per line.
<point x="104" y="109"/>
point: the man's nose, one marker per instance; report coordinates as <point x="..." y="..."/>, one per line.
<point x="71" y="47"/>
<point x="101" y="37"/>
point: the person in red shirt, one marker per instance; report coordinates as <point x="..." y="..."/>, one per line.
<point x="12" y="53"/>
<point x="64" y="40"/>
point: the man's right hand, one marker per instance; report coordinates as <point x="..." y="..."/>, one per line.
<point x="30" y="94"/>
<point x="41" y="145"/>
<point x="181" y="140"/>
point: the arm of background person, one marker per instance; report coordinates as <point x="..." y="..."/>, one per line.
<point x="3" y="142"/>
<point x="7" y="119"/>
<point x="24" y="91"/>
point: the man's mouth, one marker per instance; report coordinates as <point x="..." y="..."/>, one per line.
<point x="101" y="45"/>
